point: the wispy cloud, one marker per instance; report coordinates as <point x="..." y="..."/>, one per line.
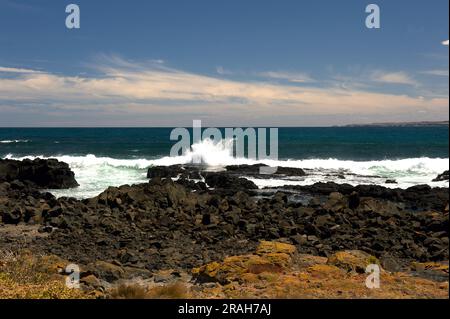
<point x="393" y="78"/>
<point x="17" y="70"/>
<point x="222" y="71"/>
<point x="19" y="5"/>
<point x="288" y="76"/>
<point x="160" y="94"/>
<point x="436" y="72"/>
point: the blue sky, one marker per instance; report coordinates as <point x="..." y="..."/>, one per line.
<point x="271" y="63"/>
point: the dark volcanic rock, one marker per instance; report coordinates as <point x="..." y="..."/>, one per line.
<point x="164" y="224"/>
<point x="229" y="179"/>
<point x="179" y="225"/>
<point x="12" y="216"/>
<point x="290" y="171"/>
<point x="255" y="170"/>
<point x="42" y="173"/>
<point x="191" y="171"/>
<point x="245" y="169"/>
<point x="224" y="181"/>
<point x="442" y="177"/>
<point x="22" y="202"/>
<point x="413" y="198"/>
<point x="165" y="171"/>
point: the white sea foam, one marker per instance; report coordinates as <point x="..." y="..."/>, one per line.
<point x="14" y="141"/>
<point x="95" y="174"/>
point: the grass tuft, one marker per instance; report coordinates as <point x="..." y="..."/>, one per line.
<point x="22" y="277"/>
<point x="128" y="292"/>
<point x="173" y="291"/>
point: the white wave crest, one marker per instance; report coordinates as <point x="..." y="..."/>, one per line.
<point x="95" y="174"/>
<point x="14" y="141"/>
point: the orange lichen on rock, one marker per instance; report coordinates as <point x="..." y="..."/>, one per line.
<point x="269" y="247"/>
<point x="352" y="260"/>
<point x="270" y="257"/>
<point x="342" y="275"/>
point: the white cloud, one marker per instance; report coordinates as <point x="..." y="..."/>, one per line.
<point x="445" y="42"/>
<point x="436" y="72"/>
<point x="393" y="78"/>
<point x="222" y="71"/>
<point x="16" y="70"/>
<point x="288" y="76"/>
<point x="153" y="91"/>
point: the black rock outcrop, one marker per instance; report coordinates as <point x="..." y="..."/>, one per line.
<point x="43" y="173"/>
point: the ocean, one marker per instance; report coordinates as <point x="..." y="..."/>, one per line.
<point x="102" y="157"/>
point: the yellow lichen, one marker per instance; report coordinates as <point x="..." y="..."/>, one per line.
<point x="267" y="247"/>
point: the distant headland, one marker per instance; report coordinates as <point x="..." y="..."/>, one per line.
<point x="402" y="124"/>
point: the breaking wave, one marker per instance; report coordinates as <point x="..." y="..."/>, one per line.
<point x="95" y="174"/>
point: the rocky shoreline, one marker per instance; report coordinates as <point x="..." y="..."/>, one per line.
<point x="138" y="230"/>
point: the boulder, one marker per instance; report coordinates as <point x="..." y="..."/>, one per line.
<point x="165" y="171"/>
<point x="12" y="216"/>
<point x="270" y="257"/>
<point x="290" y="171"/>
<point x="91" y="282"/>
<point x="353" y="200"/>
<point x="431" y="270"/>
<point x="442" y="177"/>
<point x="270" y="247"/>
<point x="336" y="202"/>
<point x="352" y="260"/>
<point x="255" y="170"/>
<point x="106" y="271"/>
<point x="42" y="173"/>
<point x="224" y="181"/>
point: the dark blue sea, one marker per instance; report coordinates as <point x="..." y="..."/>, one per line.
<point x="104" y="157"/>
